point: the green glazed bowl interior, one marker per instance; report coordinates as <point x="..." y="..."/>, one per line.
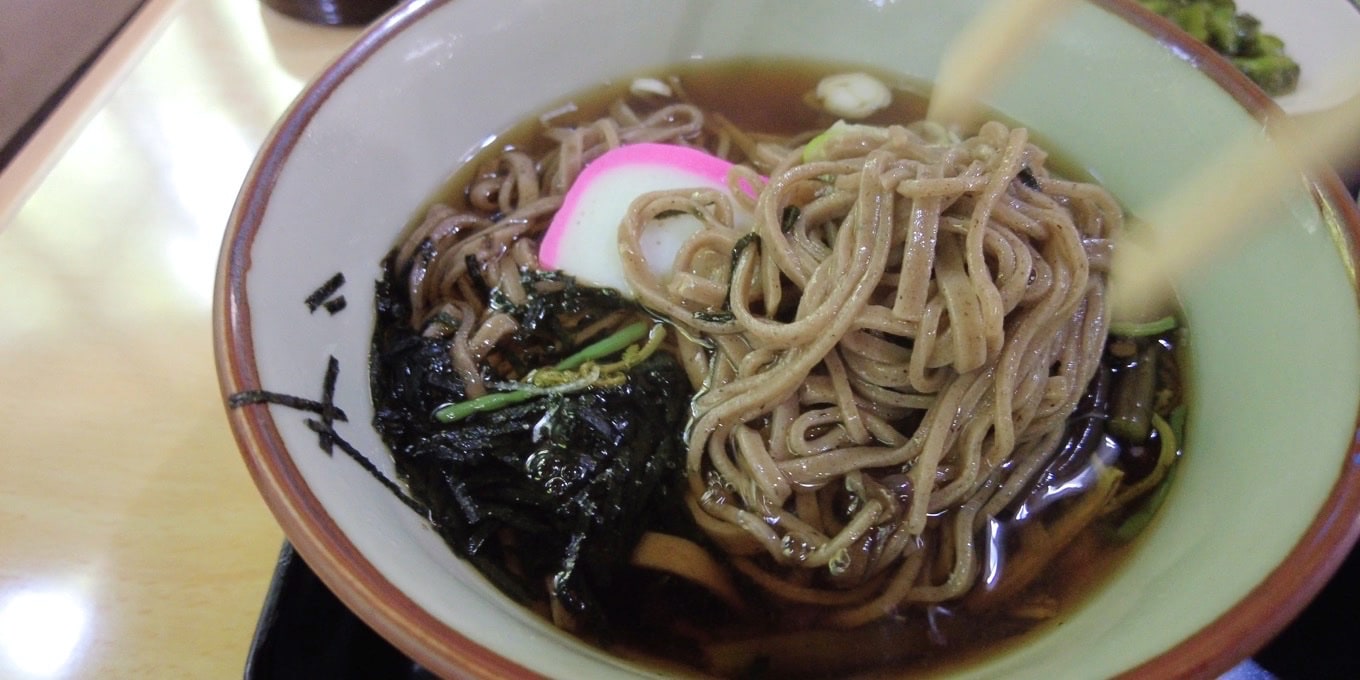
<point x="1264" y="505"/>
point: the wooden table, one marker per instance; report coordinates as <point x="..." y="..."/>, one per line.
<point x="132" y="541"/>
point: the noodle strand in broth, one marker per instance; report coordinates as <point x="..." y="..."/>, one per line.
<point x="967" y="357"/>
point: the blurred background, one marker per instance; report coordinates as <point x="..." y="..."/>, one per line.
<point x="44" y="47"/>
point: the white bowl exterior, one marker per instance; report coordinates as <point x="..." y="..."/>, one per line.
<point x="427" y="99"/>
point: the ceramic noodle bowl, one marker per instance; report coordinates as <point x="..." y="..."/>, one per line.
<point x="1264" y="503"/>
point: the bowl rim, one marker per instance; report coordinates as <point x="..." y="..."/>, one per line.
<point x="1235" y="635"/>
<point x="313" y="534"/>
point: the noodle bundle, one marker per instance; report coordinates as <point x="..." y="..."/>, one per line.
<point x="912" y="342"/>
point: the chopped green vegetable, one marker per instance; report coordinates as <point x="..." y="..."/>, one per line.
<point x="1139" y="329"/>
<point x="815" y="149"/>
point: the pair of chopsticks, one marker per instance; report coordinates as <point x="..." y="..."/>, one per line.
<point x="1206" y="211"/>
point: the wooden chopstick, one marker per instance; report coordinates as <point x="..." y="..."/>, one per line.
<point x="1200" y="219"/>
<point x="1204" y="213"/>
<point x="981" y="56"/>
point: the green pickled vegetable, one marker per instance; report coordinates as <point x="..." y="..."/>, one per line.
<point x="1235" y="35"/>
<point x="1193" y="19"/>
<point x="1275" y="73"/>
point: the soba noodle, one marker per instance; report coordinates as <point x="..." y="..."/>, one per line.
<point x="947" y="319"/>
<point x="887" y="336"/>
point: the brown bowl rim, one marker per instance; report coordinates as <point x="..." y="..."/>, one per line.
<point x="1235" y="635"/>
<point x="1254" y="620"/>
<point x="308" y="527"/>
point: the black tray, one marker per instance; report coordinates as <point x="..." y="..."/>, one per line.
<point x="305" y="632"/>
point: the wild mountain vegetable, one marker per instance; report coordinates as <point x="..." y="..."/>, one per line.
<point x="576" y="372"/>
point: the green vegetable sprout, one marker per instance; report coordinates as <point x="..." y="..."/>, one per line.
<point x="578" y="371"/>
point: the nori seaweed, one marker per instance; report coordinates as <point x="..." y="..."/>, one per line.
<point x="321" y="297"/>
<point x="575" y="479"/>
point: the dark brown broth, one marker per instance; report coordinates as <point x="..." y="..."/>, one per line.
<point x="756" y="95"/>
<point x="769" y="97"/>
